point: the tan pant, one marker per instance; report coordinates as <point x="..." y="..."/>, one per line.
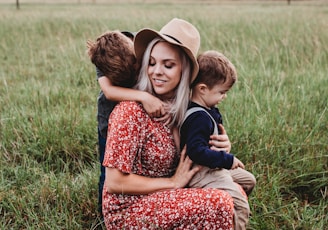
<point x="228" y="180"/>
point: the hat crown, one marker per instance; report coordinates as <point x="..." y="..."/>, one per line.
<point x="177" y="32"/>
<point x="184" y="33"/>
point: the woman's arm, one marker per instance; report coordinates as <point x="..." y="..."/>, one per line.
<point x="153" y="106"/>
<point x="122" y="183"/>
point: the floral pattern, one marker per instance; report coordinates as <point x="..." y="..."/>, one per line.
<point x="139" y="144"/>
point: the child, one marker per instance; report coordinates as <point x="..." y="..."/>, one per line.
<point x="216" y="76"/>
<point x="113" y="55"/>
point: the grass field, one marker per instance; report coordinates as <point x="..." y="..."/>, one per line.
<point x="276" y="115"/>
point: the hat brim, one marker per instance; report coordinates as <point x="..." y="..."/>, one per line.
<point x="145" y="36"/>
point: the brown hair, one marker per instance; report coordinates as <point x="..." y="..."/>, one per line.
<point x="113" y="54"/>
<point x="215" y="68"/>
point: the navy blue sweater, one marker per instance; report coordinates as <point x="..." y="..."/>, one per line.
<point x="196" y="131"/>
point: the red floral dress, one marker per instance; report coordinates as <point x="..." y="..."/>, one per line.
<point x="140" y="145"/>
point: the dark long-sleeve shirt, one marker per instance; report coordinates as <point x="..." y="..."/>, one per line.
<point x="195" y="132"/>
<point x="105" y="107"/>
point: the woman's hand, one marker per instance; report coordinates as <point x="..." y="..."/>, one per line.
<point x="184" y="172"/>
<point x="220" y="142"/>
<point x="133" y="184"/>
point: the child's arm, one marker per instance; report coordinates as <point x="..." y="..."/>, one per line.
<point x="153" y="106"/>
<point x="195" y="132"/>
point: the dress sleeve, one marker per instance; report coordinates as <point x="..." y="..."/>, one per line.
<point x="125" y="127"/>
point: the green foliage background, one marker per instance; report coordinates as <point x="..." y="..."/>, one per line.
<point x="276" y="115"/>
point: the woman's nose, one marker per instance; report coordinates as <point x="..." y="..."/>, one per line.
<point x="158" y="69"/>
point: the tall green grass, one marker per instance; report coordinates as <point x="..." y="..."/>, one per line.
<point x="276" y="115"/>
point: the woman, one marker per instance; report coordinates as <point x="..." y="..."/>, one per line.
<point x="144" y="188"/>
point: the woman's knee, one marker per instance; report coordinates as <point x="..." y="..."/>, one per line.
<point x="221" y="200"/>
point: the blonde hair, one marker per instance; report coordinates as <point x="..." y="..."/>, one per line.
<point x="113" y="54"/>
<point x="179" y="103"/>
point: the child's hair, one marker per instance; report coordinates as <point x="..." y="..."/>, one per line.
<point x="215" y="68"/>
<point x="113" y="54"/>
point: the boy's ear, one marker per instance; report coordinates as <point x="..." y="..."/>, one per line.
<point x="202" y="87"/>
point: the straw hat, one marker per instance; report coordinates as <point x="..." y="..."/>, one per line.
<point x="178" y="32"/>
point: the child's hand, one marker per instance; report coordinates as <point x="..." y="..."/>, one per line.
<point x="156" y="108"/>
<point x="90" y="44"/>
<point x="153" y="105"/>
<point x="220" y="142"/>
<point x="167" y="118"/>
<point x="237" y="163"/>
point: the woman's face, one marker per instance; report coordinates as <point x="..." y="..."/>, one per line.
<point x="164" y="69"/>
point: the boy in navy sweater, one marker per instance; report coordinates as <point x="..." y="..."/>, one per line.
<point x="221" y="169"/>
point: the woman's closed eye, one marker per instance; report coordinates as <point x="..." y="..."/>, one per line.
<point x="170" y="66"/>
<point x="167" y="66"/>
<point x="152" y="63"/>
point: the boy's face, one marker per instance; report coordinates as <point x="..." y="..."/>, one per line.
<point x="217" y="94"/>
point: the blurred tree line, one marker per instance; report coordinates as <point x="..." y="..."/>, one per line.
<point x="94" y="1"/>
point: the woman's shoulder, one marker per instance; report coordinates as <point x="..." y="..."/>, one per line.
<point x="129" y="106"/>
<point x="132" y="104"/>
<point x="128" y="111"/>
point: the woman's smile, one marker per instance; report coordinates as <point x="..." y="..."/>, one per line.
<point x="158" y="80"/>
<point x="164" y="69"/>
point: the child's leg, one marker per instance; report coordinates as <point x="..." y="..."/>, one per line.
<point x="244" y="178"/>
<point x="101" y="148"/>
<point x="221" y="179"/>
